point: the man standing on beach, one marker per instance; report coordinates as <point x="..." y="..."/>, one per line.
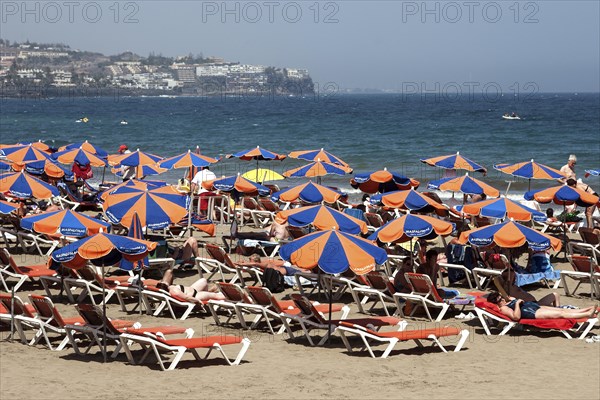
<point x="204" y="175"/>
<point x="127" y="172"/>
<point x="568" y="170"/>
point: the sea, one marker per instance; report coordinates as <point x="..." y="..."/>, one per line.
<point x="369" y="131"/>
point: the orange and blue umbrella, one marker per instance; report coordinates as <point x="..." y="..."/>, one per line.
<point x="87" y="146"/>
<point x="79" y="155"/>
<point x="142" y="171"/>
<point x="308" y="192"/>
<point x="47" y="166"/>
<point x="25" y="186"/>
<point x="237" y="183"/>
<point x="317" y="168"/>
<point x="64" y="222"/>
<point x="318" y="155"/>
<point x="510" y="234"/>
<point x="7" y="208"/>
<point x="502" y="208"/>
<point x="38" y="145"/>
<point x="156" y="208"/>
<point x="411" y="226"/>
<point x="257" y="153"/>
<point x="322" y="217"/>
<point x="382" y="181"/>
<point x="454" y="161"/>
<point x="464" y="184"/>
<point x="136" y="232"/>
<point x="187" y="160"/>
<point x="409" y="200"/>
<point x="563" y="195"/>
<point x="23" y="153"/>
<point x="334" y="252"/>
<point x="136" y="183"/>
<point x="102" y="249"/>
<point x="530" y="170"/>
<point x="133" y="159"/>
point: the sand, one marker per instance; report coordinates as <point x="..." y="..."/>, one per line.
<point x="521" y="365"/>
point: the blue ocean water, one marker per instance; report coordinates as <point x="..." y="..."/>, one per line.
<point x="369" y="132"/>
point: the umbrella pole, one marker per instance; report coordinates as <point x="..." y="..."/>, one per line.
<point x="330" y="306"/>
<point x="104" y="316"/>
<point x="103" y="171"/>
<point x="12" y="312"/>
<point x="564" y="226"/>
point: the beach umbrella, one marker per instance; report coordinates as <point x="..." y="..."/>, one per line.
<point x="308" y="192"/>
<point x="382" y="181"/>
<point x="47" y="166"/>
<point x="237" y="184"/>
<point x="510" y="234"/>
<point x="318" y="169"/>
<point x="409" y="200"/>
<point x="136" y="183"/>
<point x="103" y="250"/>
<point x="64" y="222"/>
<point x="24" y="186"/>
<point x="411" y="226"/>
<point x="322" y="217"/>
<point x="502" y="208"/>
<point x="7" y="207"/>
<point x="87" y="146"/>
<point x="530" y="170"/>
<point x="156" y="208"/>
<point x="454" y="161"/>
<point x="262" y="175"/>
<point x="316" y="155"/>
<point x="79" y="155"/>
<point x="563" y="195"/>
<point x="133" y="159"/>
<point x="142" y="171"/>
<point x="333" y="252"/>
<point x="464" y="184"/>
<point x="188" y="159"/>
<point x="257" y="154"/>
<point x="23" y="153"/>
<point x="38" y="145"/>
<point x="136" y="232"/>
<point x="594" y="172"/>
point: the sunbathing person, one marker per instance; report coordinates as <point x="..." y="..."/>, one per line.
<point x="517" y="309"/>
<point x="198" y="292"/>
<point x="284" y="267"/>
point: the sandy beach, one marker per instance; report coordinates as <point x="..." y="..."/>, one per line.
<point x="520" y="365"/>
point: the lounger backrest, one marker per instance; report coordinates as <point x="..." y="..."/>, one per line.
<point x="93" y="316"/>
<point x="422" y="285"/>
<point x="7" y="259"/>
<point x="18" y="307"/>
<point x="482" y="303"/>
<point x="264" y="297"/>
<point x="268" y="204"/>
<point x="3" y="309"/>
<point x="588" y="236"/>
<point x="373" y="219"/>
<point x="296" y="232"/>
<point x="250" y="203"/>
<point x="46" y="309"/>
<point x="583" y="264"/>
<point x="307" y="308"/>
<point x="233" y="292"/>
<point x="359" y="327"/>
<point x="379" y="280"/>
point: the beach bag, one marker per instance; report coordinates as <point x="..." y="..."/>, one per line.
<point x="273" y="280"/>
<point x="461" y="255"/>
<point x="569" y="217"/>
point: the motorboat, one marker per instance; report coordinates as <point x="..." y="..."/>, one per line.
<point x="511" y="116"/>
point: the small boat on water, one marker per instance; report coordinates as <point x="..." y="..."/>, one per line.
<point x="511" y="116"/>
<point x="123" y="122"/>
<point x="84" y="120"/>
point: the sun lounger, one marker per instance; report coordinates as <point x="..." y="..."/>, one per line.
<point x="20" y="272"/>
<point x="380" y="290"/>
<point x="487" y="311"/>
<point x="423" y="294"/>
<point x="585" y="270"/>
<point x="392" y="338"/>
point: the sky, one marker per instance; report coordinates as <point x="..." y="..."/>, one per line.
<point x="471" y="46"/>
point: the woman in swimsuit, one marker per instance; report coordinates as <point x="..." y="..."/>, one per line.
<point x="198" y="292"/>
<point x="517" y="309"/>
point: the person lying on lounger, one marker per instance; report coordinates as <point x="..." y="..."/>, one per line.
<point x="284" y="267"/>
<point x="517" y="309"/>
<point x="198" y="292"/>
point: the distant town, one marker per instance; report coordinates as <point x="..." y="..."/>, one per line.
<point x="36" y="69"/>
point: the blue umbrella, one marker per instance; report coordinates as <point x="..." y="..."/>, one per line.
<point x="334" y="252"/>
<point x="39" y="167"/>
<point x="64" y="222"/>
<point x="510" y="234"/>
<point x="237" y="183"/>
<point x="382" y="181"/>
<point x="25" y="186"/>
<point x="562" y="195"/>
<point x="464" y="184"/>
<point x="454" y="161"/>
<point x="308" y="192"/>
<point x="322" y="217"/>
<point x="502" y="208"/>
<point x="411" y="226"/>
<point x="318" y="169"/>
<point x="7" y="208"/>
<point x="87" y="146"/>
<point x="136" y="232"/>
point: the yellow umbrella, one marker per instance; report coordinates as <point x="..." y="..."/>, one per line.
<point x="262" y="175"/>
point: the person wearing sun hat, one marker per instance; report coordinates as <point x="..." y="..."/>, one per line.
<point x="127" y="172"/>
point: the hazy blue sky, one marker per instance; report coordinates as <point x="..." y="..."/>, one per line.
<point x="356" y="44"/>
